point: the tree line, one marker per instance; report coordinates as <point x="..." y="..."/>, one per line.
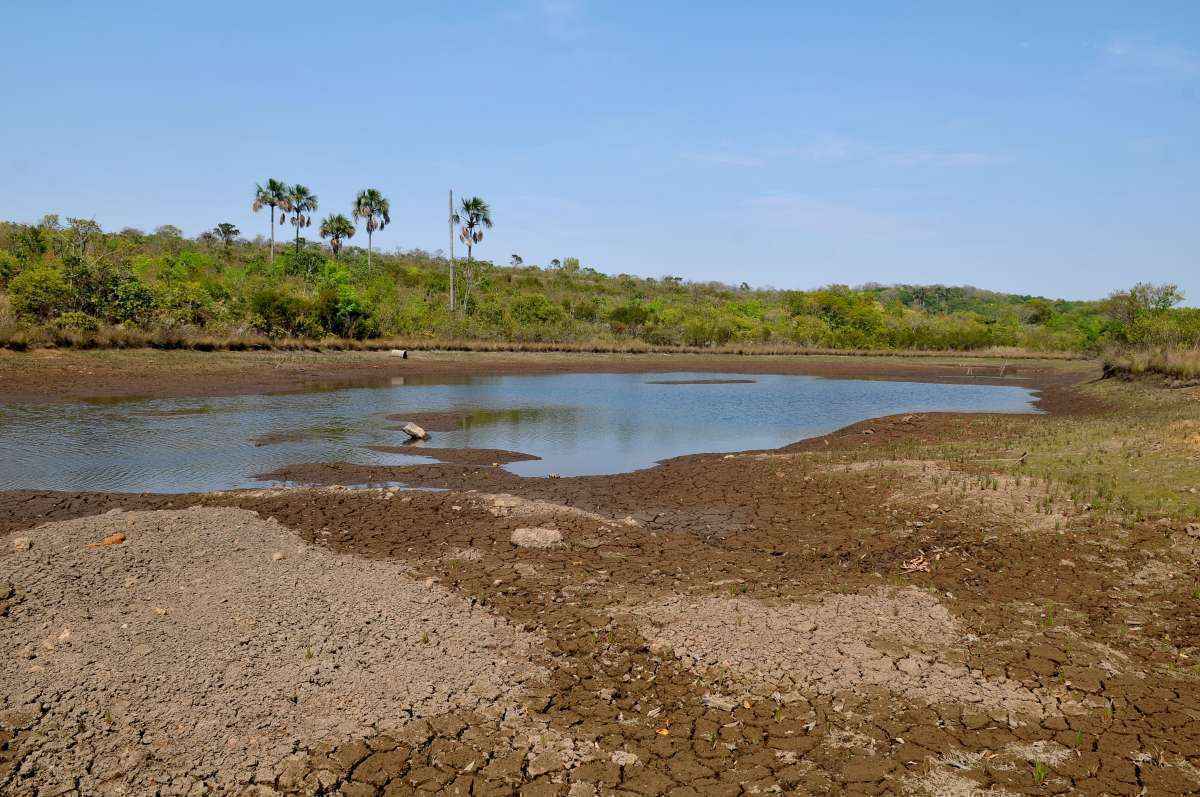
<point x="296" y="203"/>
<point x="73" y="282"/>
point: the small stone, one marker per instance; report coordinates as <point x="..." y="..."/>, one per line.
<point x="719" y="702"/>
<point x="414" y="432"/>
<point x="22" y="544"/>
<point x="278" y="556"/>
<point x="537" y="538"/>
<point x="623" y="758"/>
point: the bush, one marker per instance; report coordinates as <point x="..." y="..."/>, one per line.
<point x="186" y="303"/>
<point x="75" y="320"/>
<point x="707" y="332"/>
<point x="305" y="263"/>
<point x="632" y="315"/>
<point x="9" y="266"/>
<point x="339" y="312"/>
<point x="111" y="292"/>
<point x="40" y="293"/>
<point x="278" y="314"/>
<point x="534" y="309"/>
<point x="808" y="330"/>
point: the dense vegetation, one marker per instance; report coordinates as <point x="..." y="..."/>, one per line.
<point x="74" y="284"/>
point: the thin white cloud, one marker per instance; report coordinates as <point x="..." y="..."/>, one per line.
<point x="1153" y="58"/>
<point x="805" y="213"/>
<point x="724" y="159"/>
<point x="833" y="149"/>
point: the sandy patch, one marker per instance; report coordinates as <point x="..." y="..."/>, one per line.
<point x="1029" y="502"/>
<point x="211" y="638"/>
<point x="504" y="505"/>
<point x="890" y="639"/>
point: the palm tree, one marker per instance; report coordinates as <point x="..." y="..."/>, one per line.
<point x="373" y="208"/>
<point x="227" y="232"/>
<point x="300" y="203"/>
<point x="273" y="195"/>
<point x="336" y="228"/>
<point x="474" y="215"/>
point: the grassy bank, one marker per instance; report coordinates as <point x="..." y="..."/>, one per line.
<point x="19" y="338"/>
<point x="1180" y="364"/>
<point x="1129" y="449"/>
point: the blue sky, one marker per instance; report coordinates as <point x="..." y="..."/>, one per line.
<point x="1047" y="148"/>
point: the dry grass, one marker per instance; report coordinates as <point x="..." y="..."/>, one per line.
<point x="1183" y="364"/>
<point x="22" y="337"/>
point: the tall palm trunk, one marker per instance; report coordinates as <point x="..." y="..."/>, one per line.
<point x="272" y="260"/>
<point x="470" y="276"/>
<point x="368" y="249"/>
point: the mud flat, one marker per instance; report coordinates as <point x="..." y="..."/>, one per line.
<point x="924" y="604"/>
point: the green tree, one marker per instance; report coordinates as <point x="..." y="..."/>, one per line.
<point x="337" y="228"/>
<point x="474" y="216"/>
<point x="81" y="232"/>
<point x="226" y="232"/>
<point x="373" y="208"/>
<point x="301" y="203"/>
<point x="273" y="195"/>
<point x="40" y="293"/>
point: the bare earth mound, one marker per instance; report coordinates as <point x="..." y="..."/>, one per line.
<point x="211" y="641"/>
<point x="890" y="639"/>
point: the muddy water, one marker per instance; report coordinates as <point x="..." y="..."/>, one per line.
<point x="578" y="424"/>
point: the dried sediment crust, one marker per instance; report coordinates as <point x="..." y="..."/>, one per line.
<point x="218" y="637"/>
<point x="504" y="505"/>
<point x="890" y="639"/>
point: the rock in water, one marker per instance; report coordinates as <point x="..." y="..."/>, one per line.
<point x="401" y="353"/>
<point x="415" y="432"/>
<point x="537" y="538"/>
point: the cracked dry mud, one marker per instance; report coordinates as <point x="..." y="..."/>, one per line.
<point x="743" y="624"/>
<point x="210" y="640"/>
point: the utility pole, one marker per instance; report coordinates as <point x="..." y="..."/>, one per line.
<point x="451" y="222"/>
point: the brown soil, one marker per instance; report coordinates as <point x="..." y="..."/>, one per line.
<point x="817" y="619"/>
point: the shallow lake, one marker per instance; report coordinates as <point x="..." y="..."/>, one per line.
<point x="579" y="424"/>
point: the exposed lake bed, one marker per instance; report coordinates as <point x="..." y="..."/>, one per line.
<point x="883" y="602"/>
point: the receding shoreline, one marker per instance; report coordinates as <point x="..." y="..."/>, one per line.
<point x="67" y="375"/>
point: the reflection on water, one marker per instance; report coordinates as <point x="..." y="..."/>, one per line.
<point x="578" y="424"/>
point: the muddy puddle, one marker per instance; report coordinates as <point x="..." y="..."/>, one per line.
<point x="568" y="424"/>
